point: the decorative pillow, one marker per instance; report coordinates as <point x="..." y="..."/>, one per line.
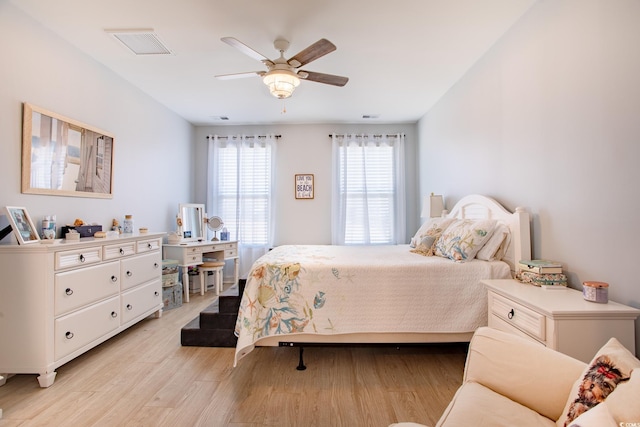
<point x="432" y="227"/>
<point x="462" y="240"/>
<point x="425" y="246"/>
<point x="611" y="366"/>
<point x="497" y="245"/>
<point x="623" y="402"/>
<point x="600" y="416"/>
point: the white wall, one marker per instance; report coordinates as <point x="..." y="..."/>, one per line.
<point x="152" y="147"/>
<point x="549" y="119"/>
<point x="307" y="149"/>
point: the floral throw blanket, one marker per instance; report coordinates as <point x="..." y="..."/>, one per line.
<point x="324" y="289"/>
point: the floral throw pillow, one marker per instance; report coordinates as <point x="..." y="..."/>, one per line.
<point x="462" y="240"/>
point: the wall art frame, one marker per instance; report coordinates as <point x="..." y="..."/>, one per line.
<point x="64" y="157"/>
<point x="22" y="225"/>
<point x="304" y="187"/>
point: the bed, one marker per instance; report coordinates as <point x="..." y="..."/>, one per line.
<point x="298" y="295"/>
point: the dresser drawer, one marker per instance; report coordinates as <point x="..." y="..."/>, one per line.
<point x="230" y="253"/>
<point x="119" y="251"/>
<point x="139" y="269"/>
<point x="79" y="328"/>
<point x="496" y="322"/>
<point x="521" y="317"/>
<point x="78" y="257"/>
<point x="139" y="300"/>
<point x="148" y="245"/>
<point x="79" y="287"/>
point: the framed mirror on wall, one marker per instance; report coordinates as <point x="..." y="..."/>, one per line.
<point x="63" y="157"/>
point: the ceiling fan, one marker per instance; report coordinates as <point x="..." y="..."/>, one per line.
<point x="283" y="75"/>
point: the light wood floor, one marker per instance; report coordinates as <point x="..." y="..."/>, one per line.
<point x="144" y="377"/>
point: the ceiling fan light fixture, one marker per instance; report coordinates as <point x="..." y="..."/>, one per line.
<point x="281" y="83"/>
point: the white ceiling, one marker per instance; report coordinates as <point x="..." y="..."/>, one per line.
<point x="400" y="56"/>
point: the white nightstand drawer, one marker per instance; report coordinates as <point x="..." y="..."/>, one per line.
<point x="521" y="317"/>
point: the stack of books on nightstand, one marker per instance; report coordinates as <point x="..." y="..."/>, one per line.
<point x="542" y="272"/>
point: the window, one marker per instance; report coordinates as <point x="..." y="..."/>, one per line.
<point x="240" y="192"/>
<point x="368" y="191"/>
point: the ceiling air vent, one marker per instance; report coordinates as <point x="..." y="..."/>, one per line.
<point x="140" y="42"/>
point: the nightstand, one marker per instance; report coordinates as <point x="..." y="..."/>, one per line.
<point x="559" y="319"/>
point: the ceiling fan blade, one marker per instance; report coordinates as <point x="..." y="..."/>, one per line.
<point x="239" y="75"/>
<point x="329" y="79"/>
<point x="246" y="50"/>
<point x="313" y="52"/>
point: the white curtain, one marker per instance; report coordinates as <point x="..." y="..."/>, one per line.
<point x="240" y="190"/>
<point x="368" y="194"/>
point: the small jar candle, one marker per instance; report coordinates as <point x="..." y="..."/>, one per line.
<point x="127" y="225"/>
<point x="596" y="291"/>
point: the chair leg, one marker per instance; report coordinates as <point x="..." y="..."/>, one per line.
<point x="203" y="282"/>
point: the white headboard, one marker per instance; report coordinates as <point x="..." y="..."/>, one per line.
<point x="482" y="207"/>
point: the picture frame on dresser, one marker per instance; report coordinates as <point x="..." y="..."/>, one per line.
<point x="22" y="225"/>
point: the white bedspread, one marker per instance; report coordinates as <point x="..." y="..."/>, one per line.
<point x="351" y="289"/>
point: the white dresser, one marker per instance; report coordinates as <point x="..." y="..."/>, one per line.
<point x="59" y="300"/>
<point x="559" y="319"/>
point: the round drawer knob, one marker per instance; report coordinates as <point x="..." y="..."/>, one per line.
<point x="68" y="335"/>
<point x="149" y="245"/>
<point x="129" y="274"/>
<point x="129" y="307"/>
<point x="82" y="258"/>
<point x="114" y="279"/>
<point x="511" y="314"/>
<point x="68" y="291"/>
<point x="114" y="314"/>
<point x="156" y="293"/>
<point x="155" y="265"/>
<point x="121" y="251"/>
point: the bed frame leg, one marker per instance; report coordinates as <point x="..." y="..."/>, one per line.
<point x="301" y="366"/>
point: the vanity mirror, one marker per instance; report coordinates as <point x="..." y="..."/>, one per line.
<point x="191" y="221"/>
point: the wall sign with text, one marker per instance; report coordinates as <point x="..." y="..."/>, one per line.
<point x="304" y="186"/>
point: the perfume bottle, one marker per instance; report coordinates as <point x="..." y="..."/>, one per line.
<point x="49" y="227"/>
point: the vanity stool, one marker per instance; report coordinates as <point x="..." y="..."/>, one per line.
<point x="216" y="267"/>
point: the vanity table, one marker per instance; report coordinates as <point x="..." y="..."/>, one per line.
<point x="192" y="253"/>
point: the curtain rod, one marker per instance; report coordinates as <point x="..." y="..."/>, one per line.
<point x="248" y="136"/>
<point x="361" y="135"/>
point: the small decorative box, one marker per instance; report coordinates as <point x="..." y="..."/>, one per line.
<point x="84" y="230"/>
<point x="596" y="292"/>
